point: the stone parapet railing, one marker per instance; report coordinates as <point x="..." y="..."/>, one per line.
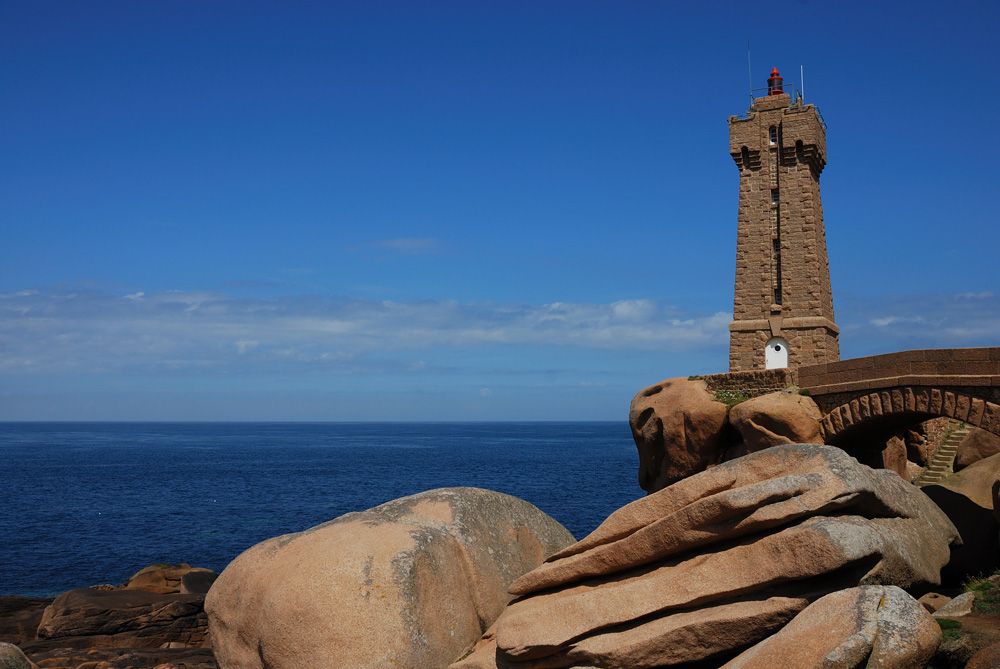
<point x="965" y="367"/>
<point x="751" y="383"/>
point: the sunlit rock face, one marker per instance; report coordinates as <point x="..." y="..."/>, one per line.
<point x="411" y="583"/>
<point x="713" y="564"/>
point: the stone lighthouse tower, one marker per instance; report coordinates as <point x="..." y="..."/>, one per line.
<point x="782" y="309"/>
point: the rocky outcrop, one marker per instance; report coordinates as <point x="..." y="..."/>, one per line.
<point x="123" y="619"/>
<point x="172" y="578"/>
<point x="679" y="429"/>
<point x="411" y="583"/>
<point x="775" y="419"/>
<point x="20" y="617"/>
<point x="978" y="445"/>
<point x="126" y="658"/>
<point x="967" y="499"/>
<point x="894" y="459"/>
<point x="957" y="607"/>
<point x="721" y="560"/>
<point x="869" y="626"/>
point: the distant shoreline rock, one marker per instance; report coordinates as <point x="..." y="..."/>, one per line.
<point x="156" y="619"/>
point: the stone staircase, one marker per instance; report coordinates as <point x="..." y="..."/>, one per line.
<point x="944" y="455"/>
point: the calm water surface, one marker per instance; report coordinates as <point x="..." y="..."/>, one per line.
<point x="87" y="503"/>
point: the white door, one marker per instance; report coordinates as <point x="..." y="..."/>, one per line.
<point x="776" y="353"/>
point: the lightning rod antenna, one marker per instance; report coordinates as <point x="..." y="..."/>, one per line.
<point x="750" y="73"/>
<point x="802" y="83"/>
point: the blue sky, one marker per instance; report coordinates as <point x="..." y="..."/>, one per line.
<point x="458" y="210"/>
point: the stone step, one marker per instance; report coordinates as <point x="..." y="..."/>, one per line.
<point x="944" y="455"/>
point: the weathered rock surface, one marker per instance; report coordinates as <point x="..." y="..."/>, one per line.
<point x="967" y="499"/>
<point x="20" y="617"/>
<point x="122" y="619"/>
<point x="775" y="419"/>
<point x="869" y="626"/>
<point x="11" y="657"/>
<point x="894" y="459"/>
<point x="932" y="601"/>
<point x="172" y="578"/>
<point x="411" y="583"/>
<point x="717" y="562"/>
<point x="977" y="445"/>
<point x="483" y="654"/>
<point x="126" y="658"/>
<point x="986" y="658"/>
<point x="679" y="430"/>
<point x="956" y="608"/>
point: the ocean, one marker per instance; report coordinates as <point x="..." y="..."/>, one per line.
<point x="89" y="503"/>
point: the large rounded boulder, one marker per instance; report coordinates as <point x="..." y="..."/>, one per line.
<point x="978" y="445"/>
<point x="775" y="419"/>
<point x="679" y="429"/>
<point x="411" y="583"/>
<point x="11" y="657"/>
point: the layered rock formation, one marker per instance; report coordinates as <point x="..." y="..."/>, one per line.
<point x="713" y="564"/>
<point x="124" y="619"/>
<point x="410" y="583"/>
<point x="147" y="622"/>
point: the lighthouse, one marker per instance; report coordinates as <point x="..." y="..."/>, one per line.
<point x="782" y="304"/>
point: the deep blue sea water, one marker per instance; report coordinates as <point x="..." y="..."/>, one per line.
<point x="88" y="503"/>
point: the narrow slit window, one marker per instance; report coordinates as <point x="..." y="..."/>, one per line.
<point x="777" y="295"/>
<point x="774" y="196"/>
<point x="774" y="135"/>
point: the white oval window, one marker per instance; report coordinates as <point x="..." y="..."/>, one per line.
<point x="776" y="353"/>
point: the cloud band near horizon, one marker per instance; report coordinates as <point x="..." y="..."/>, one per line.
<point x="91" y="331"/>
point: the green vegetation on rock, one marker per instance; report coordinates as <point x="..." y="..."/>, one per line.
<point x="731" y="397"/>
<point x="987" y="591"/>
<point x="949" y="628"/>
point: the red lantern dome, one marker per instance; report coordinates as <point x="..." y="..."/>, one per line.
<point x="774" y="83"/>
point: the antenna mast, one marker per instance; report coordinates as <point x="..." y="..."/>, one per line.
<point x="750" y="73"/>
<point x="802" y="84"/>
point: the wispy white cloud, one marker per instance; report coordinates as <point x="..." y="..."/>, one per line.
<point x="89" y="331"/>
<point x="898" y="322"/>
<point x="889" y="320"/>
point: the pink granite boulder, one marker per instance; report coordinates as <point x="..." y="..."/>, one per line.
<point x="411" y="583"/>
<point x="872" y="626"/>
<point x="679" y="429"/>
<point x="977" y="445"/>
<point x="775" y="419"/>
